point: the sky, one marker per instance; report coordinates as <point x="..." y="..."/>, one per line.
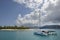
<point x="9" y="11"/>
<point x="29" y="12"/>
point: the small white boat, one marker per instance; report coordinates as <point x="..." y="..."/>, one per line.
<point x="40" y="33"/>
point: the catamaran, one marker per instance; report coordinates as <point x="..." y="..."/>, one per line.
<point x="43" y="33"/>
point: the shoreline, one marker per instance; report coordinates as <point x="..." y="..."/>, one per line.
<point x="14" y="29"/>
<point x="9" y="29"/>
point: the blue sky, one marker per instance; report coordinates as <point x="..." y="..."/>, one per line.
<point x="9" y="11"/>
<point x="26" y="12"/>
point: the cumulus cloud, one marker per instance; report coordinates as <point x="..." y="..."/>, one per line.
<point x="46" y="12"/>
<point x="32" y="19"/>
<point x="30" y="3"/>
<point x="53" y="13"/>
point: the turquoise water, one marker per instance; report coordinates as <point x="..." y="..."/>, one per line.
<point x="26" y="35"/>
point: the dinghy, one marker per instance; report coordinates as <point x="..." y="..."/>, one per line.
<point x="40" y="33"/>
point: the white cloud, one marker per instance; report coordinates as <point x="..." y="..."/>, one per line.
<point x="49" y="10"/>
<point x="53" y="15"/>
<point x="31" y="18"/>
<point x="30" y="3"/>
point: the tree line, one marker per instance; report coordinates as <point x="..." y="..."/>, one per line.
<point x="13" y="27"/>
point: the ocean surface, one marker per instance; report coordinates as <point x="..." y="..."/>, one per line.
<point x="27" y="34"/>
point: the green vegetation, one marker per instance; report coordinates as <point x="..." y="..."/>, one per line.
<point x="14" y="27"/>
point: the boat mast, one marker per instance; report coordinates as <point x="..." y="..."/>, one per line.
<point x="39" y="18"/>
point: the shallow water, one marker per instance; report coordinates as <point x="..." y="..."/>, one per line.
<point x="27" y="34"/>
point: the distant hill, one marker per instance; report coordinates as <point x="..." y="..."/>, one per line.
<point x="50" y="27"/>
